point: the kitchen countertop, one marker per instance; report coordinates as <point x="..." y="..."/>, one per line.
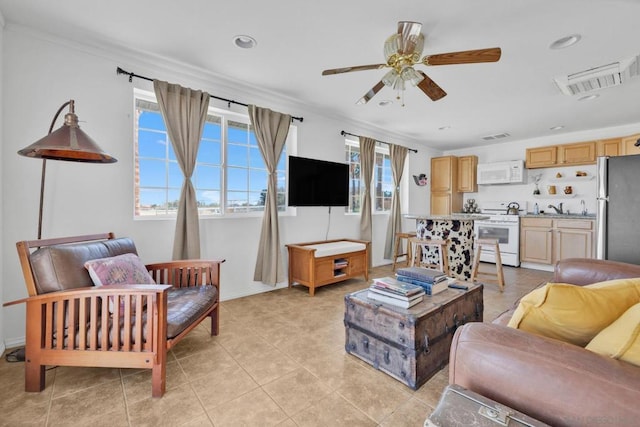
<point x="452" y="217"/>
<point x="555" y="215"/>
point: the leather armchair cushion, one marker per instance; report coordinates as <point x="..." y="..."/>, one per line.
<point x="61" y="267"/>
<point x="574" y="314"/>
<point x="621" y="339"/>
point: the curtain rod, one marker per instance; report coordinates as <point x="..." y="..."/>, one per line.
<point x="228" y="101"/>
<point x="343" y="133"/>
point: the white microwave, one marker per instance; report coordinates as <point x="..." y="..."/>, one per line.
<point x="510" y="172"/>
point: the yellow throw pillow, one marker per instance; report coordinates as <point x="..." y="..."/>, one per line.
<point x="621" y="339"/>
<point x="574" y="314"/>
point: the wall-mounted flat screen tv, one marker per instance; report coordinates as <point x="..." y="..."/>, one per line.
<point x="317" y="182"/>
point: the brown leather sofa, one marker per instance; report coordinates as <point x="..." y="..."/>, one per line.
<point x="557" y="383"/>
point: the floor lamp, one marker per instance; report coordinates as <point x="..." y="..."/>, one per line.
<point x="68" y="143"/>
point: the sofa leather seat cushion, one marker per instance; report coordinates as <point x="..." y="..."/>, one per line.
<point x="574" y="314"/>
<point x="185" y="305"/>
<point x="621" y="339"/>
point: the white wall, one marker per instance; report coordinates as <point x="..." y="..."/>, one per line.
<point x="40" y="73"/>
<point x="515" y="150"/>
<point x="2" y="334"/>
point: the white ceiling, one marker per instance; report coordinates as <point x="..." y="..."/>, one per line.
<point x="299" y="39"/>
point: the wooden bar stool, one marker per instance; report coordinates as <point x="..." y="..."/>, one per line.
<point x="499" y="274"/>
<point x="400" y="236"/>
<point x="443" y="254"/>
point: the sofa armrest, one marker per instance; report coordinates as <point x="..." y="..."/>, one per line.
<point x="584" y="271"/>
<point x="558" y="383"/>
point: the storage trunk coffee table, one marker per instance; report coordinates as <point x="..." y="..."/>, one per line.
<point x="410" y="344"/>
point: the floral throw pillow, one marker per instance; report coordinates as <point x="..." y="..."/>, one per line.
<point x="126" y="269"/>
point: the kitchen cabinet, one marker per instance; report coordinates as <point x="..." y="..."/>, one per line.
<point x="536" y="240"/>
<point x="467" y="174"/>
<point x="445" y="197"/>
<point x="547" y="240"/>
<point x="609" y="147"/>
<point x="583" y="153"/>
<point x="627" y="145"/>
<point x="542" y="157"/>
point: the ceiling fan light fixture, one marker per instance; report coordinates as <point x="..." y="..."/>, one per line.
<point x="391" y="46"/>
<point x="411" y="75"/>
<point x="390" y="78"/>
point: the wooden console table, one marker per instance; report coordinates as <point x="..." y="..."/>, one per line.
<point x="315" y="264"/>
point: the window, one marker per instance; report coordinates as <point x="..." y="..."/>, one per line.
<point x="230" y="176"/>
<point x="382" y="188"/>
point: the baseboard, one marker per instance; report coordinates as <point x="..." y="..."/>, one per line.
<point x="12" y="343"/>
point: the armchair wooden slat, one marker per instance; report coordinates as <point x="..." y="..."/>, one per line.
<point x="121" y="326"/>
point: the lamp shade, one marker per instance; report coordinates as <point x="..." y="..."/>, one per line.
<point x="69" y="143"/>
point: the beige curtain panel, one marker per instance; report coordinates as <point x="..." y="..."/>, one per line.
<point x="397" y="155"/>
<point x="184" y="111"/>
<point x="271" y="129"/>
<point x="367" y="159"/>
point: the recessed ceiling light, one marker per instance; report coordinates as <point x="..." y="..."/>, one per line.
<point x="385" y="102"/>
<point x="556" y="128"/>
<point x="566" y="41"/>
<point x="245" y="42"/>
<point x="444" y="127"/>
<point x="589" y="97"/>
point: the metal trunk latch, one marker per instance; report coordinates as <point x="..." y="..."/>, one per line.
<point x="497" y="415"/>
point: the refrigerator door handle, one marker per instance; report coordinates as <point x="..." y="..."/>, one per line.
<point x="601" y="224"/>
<point x="602" y="201"/>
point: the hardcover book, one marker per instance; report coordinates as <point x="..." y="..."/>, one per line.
<point x="397" y="286"/>
<point x="406" y="303"/>
<point x="423" y="274"/>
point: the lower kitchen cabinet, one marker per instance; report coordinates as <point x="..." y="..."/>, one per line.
<point x="547" y="240"/>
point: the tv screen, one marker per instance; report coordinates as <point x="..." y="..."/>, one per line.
<point x="318" y="182"/>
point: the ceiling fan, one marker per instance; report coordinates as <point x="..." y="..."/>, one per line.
<point x="402" y="51"/>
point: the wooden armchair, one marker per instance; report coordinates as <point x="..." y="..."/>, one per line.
<point x="70" y="322"/>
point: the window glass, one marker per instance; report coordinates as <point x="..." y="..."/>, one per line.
<point x="382" y="186"/>
<point x="229" y="176"/>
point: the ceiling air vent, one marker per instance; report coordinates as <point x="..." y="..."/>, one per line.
<point x="597" y="78"/>
<point x="495" y="136"/>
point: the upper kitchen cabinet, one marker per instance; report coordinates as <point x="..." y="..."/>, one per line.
<point x="445" y="197"/>
<point x="467" y="174"/>
<point x="609" y="147"/>
<point x="581" y="153"/>
<point x="627" y="145"/>
<point x="542" y="157"/>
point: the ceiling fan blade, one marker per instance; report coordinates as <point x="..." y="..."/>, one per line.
<point x="431" y="88"/>
<point x="354" y="68"/>
<point x="372" y="92"/>
<point x="464" y="57"/>
<point x="409" y="34"/>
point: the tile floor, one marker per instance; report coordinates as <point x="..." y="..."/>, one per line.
<point x="279" y="361"/>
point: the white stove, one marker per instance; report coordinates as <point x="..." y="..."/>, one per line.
<point x="502" y="226"/>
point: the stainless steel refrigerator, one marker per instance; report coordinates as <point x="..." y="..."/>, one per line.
<point x="618" y="216"/>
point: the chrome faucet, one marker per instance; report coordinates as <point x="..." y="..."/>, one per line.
<point x="584" y="208"/>
<point x="558" y="209"/>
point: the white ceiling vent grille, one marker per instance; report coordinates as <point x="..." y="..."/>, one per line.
<point x="598" y="78"/>
<point x="495" y="136"/>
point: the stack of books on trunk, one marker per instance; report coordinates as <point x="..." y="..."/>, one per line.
<point x="395" y="292"/>
<point x="432" y="281"/>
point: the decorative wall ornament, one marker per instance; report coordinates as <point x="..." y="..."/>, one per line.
<point x="421" y="180"/>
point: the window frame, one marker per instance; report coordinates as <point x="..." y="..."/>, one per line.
<point x="225" y="117"/>
<point x="380" y="149"/>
